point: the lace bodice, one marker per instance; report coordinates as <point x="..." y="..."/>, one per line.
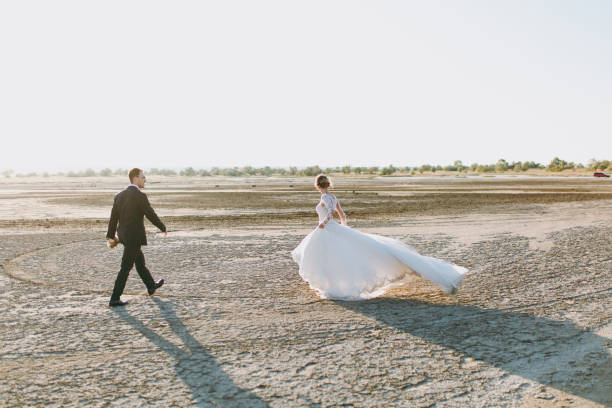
<point x="326" y="207"/>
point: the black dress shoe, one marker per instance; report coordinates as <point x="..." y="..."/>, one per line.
<point x="158" y="284"/>
<point x="118" y="302"/>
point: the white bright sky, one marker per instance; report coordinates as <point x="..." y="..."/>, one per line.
<point x="231" y="83"/>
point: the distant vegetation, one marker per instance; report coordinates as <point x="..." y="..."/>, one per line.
<point x="501" y="166"/>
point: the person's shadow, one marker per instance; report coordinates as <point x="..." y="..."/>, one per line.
<point x="554" y="353"/>
<point x="194" y="365"/>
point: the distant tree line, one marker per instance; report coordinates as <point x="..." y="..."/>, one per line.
<point x="501" y="166"/>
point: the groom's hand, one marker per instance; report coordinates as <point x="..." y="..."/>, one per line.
<point x="165" y="233"/>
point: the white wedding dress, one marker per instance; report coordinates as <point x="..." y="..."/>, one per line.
<point x="342" y="263"/>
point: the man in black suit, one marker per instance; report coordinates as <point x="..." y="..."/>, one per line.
<point x="129" y="209"/>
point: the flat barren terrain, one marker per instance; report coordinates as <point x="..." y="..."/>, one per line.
<point x="236" y="326"/>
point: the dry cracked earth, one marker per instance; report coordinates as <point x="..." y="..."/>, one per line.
<point x="235" y="326"/>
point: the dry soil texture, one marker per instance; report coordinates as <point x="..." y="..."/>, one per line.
<point x="236" y="326"/>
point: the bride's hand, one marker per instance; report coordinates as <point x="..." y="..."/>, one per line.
<point x="321" y="226"/>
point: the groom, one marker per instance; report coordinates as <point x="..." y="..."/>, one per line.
<point x="129" y="209"/>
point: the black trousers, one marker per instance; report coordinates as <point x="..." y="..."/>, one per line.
<point x="131" y="255"/>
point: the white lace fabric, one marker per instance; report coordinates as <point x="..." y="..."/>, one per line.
<point x="339" y="262"/>
<point x="326" y="207"/>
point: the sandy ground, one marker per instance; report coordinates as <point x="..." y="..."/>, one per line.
<point x="236" y="326"/>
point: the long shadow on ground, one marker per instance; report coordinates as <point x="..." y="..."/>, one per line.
<point x="194" y="366"/>
<point x="554" y="353"/>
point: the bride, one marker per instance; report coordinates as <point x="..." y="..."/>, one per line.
<point x="342" y="263"/>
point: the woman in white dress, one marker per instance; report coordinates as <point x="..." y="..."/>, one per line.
<point x="342" y="263"/>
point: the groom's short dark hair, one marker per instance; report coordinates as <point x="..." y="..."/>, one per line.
<point x="135" y="172"/>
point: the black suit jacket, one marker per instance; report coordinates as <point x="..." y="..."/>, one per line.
<point x="129" y="209"/>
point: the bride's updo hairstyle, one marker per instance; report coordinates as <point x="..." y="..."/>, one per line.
<point x="322" y="181"/>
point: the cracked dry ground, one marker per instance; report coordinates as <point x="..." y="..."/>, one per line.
<point x="235" y="325"/>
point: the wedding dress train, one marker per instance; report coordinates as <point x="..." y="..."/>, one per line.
<point x="342" y="263"/>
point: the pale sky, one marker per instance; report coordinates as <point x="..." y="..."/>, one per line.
<point x="297" y="83"/>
